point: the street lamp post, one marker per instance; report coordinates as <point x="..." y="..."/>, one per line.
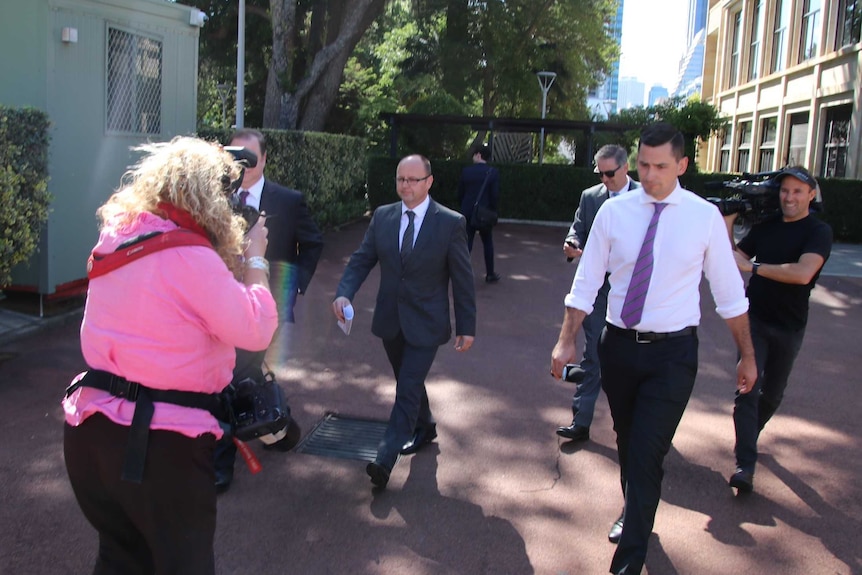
<point x="240" y="65"/>
<point x="545" y="81"/>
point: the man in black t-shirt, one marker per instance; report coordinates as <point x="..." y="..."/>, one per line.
<point x="789" y="251"/>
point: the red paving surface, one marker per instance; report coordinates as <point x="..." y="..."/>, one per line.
<point x="499" y="492"/>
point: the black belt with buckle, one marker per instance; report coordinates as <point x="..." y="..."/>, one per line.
<point x="651" y="336"/>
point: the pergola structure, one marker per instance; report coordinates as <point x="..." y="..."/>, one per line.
<point x="492" y="125"/>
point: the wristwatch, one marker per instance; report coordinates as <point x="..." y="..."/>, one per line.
<point x="754" y="268"/>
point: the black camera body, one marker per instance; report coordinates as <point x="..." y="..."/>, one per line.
<point x="258" y="410"/>
<point x="755" y="197"/>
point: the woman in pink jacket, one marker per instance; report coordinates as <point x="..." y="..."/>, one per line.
<point x="175" y="287"/>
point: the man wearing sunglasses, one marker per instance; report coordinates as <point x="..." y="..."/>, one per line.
<point x="612" y="167"/>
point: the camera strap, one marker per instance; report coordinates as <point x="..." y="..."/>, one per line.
<point x="143" y="397"/>
<point x="100" y="264"/>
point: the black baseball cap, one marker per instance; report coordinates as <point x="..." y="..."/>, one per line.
<point x="799" y="173"/>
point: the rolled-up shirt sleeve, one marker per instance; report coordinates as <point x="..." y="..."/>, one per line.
<point x="725" y="281"/>
<point x="590" y="274"/>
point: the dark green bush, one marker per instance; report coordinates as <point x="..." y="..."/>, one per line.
<point x="24" y="196"/>
<point x="552" y="192"/>
<point x="329" y="169"/>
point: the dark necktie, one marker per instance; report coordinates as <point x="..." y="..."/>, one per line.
<point x="407" y="240"/>
<point x="243" y="197"/>
<point x="636" y="295"/>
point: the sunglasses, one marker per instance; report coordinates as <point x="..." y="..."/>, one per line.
<point x="609" y="173"/>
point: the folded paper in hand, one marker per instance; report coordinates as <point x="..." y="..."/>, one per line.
<point x="348" y="319"/>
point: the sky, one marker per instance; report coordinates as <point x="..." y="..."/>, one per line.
<point x="653" y="40"/>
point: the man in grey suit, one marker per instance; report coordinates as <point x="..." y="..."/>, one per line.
<point x="612" y="166"/>
<point x="421" y="247"/>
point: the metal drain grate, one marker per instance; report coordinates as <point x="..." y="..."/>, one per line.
<point x="344" y="437"/>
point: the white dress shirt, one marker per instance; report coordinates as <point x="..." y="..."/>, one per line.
<point x="691" y="240"/>
<point x="418" y="218"/>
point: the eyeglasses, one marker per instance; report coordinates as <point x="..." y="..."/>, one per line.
<point x="410" y="181"/>
<point x="608" y="173"/>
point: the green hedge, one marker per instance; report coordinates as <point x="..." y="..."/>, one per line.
<point x="24" y="196"/>
<point x="552" y="192"/>
<point x="329" y="169"/>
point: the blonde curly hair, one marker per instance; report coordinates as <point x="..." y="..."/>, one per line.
<point x="193" y="175"/>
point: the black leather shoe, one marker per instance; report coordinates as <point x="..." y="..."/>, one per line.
<point x="379" y="475"/>
<point x="223" y="479"/>
<point x="616" y="531"/>
<point x="420" y="437"/>
<point x="742" y="480"/>
<point x="492" y="278"/>
<point x="574" y="432"/>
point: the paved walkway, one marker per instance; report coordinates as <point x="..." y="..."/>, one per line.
<point x="498" y="492"/>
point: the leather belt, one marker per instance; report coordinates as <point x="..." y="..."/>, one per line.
<point x="651" y="336"/>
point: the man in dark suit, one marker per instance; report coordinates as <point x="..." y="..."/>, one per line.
<point x="480" y="178"/>
<point x="612" y="166"/>
<point x="421" y="247"/>
<point x="295" y="245"/>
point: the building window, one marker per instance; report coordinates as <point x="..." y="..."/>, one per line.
<point x="735" y="33"/>
<point x="768" y="135"/>
<point x="779" y="35"/>
<point x="849" y="23"/>
<point x="725" y="144"/>
<point x="743" y="154"/>
<point x="836" y="141"/>
<point x="757" y="17"/>
<point x="809" y="45"/>
<point x="134" y="85"/>
<point x="797" y="139"/>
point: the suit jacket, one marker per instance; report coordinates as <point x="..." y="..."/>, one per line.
<point x="414" y="297"/>
<point x="295" y="244"/>
<point x="471" y="183"/>
<point x="591" y="200"/>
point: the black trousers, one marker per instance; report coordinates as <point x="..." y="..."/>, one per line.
<point x="411" y="365"/>
<point x="648" y="386"/>
<point x="162" y="526"/>
<point x="487" y="236"/>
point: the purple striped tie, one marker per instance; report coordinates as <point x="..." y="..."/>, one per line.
<point x="636" y="295"/>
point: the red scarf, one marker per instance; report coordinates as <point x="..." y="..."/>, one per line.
<point x="182" y="218"/>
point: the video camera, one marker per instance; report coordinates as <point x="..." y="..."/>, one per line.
<point x="755" y="197"/>
<point x="246" y="159"/>
<point x="258" y="409"/>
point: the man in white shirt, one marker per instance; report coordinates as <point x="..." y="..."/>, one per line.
<point x="664" y="238"/>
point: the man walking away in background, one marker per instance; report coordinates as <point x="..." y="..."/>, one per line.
<point x="480" y="178"/>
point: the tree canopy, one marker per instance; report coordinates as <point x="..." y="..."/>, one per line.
<point x="336" y="64"/>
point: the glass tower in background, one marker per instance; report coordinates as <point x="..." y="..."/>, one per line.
<point x="690" y="77"/>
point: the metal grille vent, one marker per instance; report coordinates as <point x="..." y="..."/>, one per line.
<point x="344" y="438"/>
<point x="134" y="83"/>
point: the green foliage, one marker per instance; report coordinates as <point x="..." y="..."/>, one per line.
<point x="552" y="193"/>
<point x="328" y="169"/>
<point x="24" y="196"/>
<point x="483" y="54"/>
<point x="696" y="120"/>
<point x="218" y="60"/>
<point x="436" y="140"/>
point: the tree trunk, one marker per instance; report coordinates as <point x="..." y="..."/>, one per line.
<point x="306" y="104"/>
